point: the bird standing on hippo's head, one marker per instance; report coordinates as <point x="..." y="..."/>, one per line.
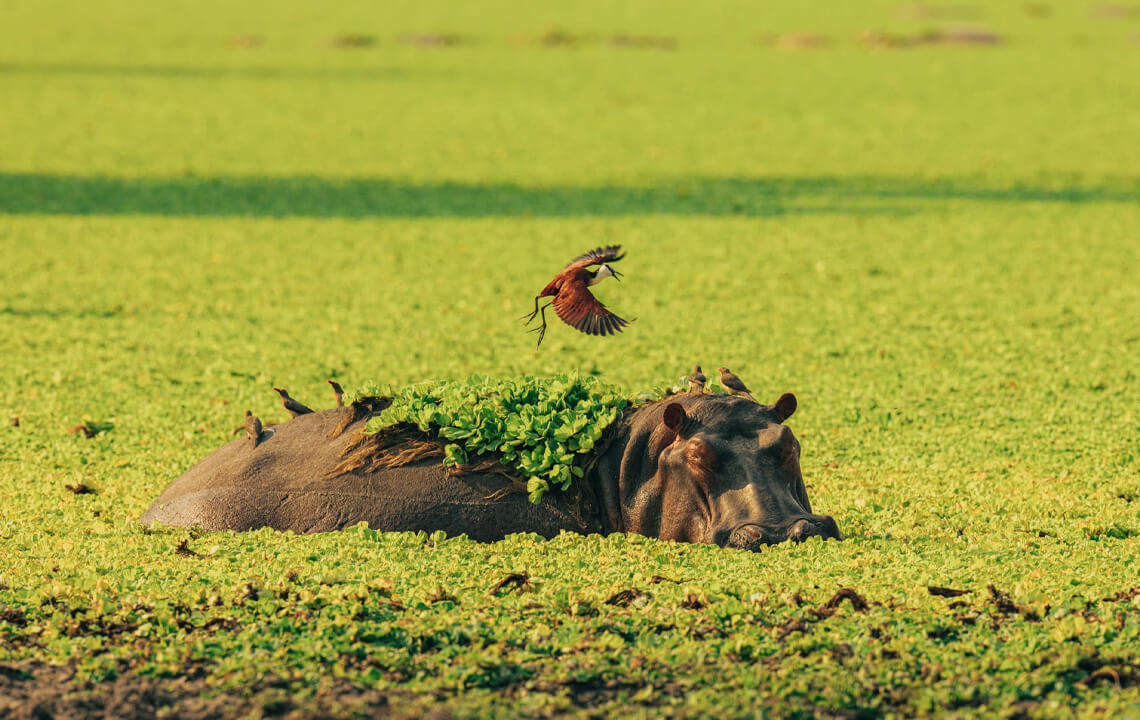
<point x="573" y="302"/>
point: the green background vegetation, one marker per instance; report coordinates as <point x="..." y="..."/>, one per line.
<point x="935" y="248"/>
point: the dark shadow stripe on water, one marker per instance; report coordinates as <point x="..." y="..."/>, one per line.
<point x="309" y="196"/>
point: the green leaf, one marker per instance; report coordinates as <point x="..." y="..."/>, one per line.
<point x="454" y="455"/>
<point x="538" y="425"/>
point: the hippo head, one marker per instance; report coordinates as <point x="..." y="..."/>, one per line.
<point x="720" y="470"/>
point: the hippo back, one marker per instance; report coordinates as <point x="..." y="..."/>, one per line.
<point x="284" y="483"/>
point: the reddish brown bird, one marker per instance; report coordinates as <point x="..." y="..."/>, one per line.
<point x="291" y="406"/>
<point x="338" y="391"/>
<point x="573" y="301"/>
<point x="252" y="428"/>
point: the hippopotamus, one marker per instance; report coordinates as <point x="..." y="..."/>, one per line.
<point x="694" y="468"/>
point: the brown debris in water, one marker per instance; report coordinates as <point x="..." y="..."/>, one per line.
<point x="946" y="592"/>
<point x="13" y="616"/>
<point x="35" y="689"/>
<point x="87" y="430"/>
<point x="1121" y="672"/>
<point x="519" y="582"/>
<point x="1124" y="595"/>
<point x="1104" y="673"/>
<point x="789" y="627"/>
<point x="858" y="604"/>
<point x="248" y="591"/>
<point x="1005" y="605"/>
<point x="1002" y="601"/>
<point x="440" y="594"/>
<point x="624" y="597"/>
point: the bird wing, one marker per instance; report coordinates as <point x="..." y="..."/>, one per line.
<point x="298" y="407"/>
<point x="579" y="309"/>
<point x="730" y="380"/>
<point x="597" y="256"/>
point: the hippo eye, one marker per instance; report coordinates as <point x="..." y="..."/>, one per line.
<point x="699" y="453"/>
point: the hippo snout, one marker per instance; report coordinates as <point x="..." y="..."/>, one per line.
<point x="753" y="537"/>
<point x="822" y="526"/>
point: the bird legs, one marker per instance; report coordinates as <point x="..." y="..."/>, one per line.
<point x="541" y="312"/>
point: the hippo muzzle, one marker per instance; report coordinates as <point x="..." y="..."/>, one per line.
<point x="752" y="536"/>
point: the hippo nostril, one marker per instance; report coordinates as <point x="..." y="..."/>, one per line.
<point x="799" y="530"/>
<point x="749" y="537"/>
<point x="753" y="536"/>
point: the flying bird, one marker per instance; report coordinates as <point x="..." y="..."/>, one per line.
<point x="338" y="391"/>
<point x="252" y="428"/>
<point x="573" y="301"/>
<point x="697" y="380"/>
<point x="293" y="407"/>
<point x="734" y="385"/>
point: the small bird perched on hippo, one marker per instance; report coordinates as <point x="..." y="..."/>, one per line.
<point x="252" y="428"/>
<point x="338" y="392"/>
<point x="734" y="385"/>
<point x="291" y="406"/>
<point x="697" y="380"/>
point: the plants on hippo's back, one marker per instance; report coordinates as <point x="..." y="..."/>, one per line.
<point x="538" y="426"/>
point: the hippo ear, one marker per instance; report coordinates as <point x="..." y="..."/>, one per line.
<point x="785" y="406"/>
<point x="675" y="417"/>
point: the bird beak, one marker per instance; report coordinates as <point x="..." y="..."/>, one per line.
<point x="617" y="275"/>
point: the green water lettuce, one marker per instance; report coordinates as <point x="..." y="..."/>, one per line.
<point x="544" y="428"/>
